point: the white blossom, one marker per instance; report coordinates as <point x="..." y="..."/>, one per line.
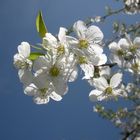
<point x="41" y="91"/>
<point x="132" y="6"/>
<point x="87" y="43"/>
<point x="58" y="47"/>
<point x="135" y="66"/>
<point x="40" y="88"/>
<point x="100" y="71"/>
<point x="21" y="60"/>
<point x="23" y="63"/>
<point x="54" y="71"/>
<point x="104" y="89"/>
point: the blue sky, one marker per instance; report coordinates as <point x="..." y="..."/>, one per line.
<point x="70" y="119"/>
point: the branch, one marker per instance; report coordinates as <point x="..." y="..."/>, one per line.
<point x="130" y="29"/>
<point x="127" y="134"/>
<point x="110" y="65"/>
<point x="90" y="20"/>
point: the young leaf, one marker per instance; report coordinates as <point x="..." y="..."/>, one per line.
<point x="34" y="55"/>
<point x="40" y="25"/>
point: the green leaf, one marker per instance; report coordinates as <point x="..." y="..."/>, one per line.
<point x="40" y="25"/>
<point x="34" y="55"/>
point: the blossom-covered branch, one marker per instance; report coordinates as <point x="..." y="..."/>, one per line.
<point x="47" y="71"/>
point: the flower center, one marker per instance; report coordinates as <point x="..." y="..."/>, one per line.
<point x="21" y="64"/>
<point x="120" y="52"/>
<point x="135" y="67"/>
<point x="54" y="71"/>
<point x="43" y="92"/>
<point x="83" y="44"/>
<point x="82" y="60"/>
<point x="133" y="49"/>
<point x="108" y="90"/>
<point x="61" y="49"/>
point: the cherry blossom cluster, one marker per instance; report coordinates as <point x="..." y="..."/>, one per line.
<point x="47" y="76"/>
<point x="46" y="69"/>
<point x="132" y="6"/>
<point x="126" y="54"/>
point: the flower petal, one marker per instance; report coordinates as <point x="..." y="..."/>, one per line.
<point x="94" y="95"/>
<point x="39" y="100"/>
<point x="137" y="42"/>
<point x="105" y="71"/>
<point x="98" y="59"/>
<point x="25" y="76"/>
<point x="24" y="49"/>
<point x="60" y="86"/>
<point x="94" y="34"/>
<point x="116" y="80"/>
<point x="55" y="96"/>
<point x="113" y="47"/>
<point x="100" y="83"/>
<point x="116" y="59"/>
<point x="73" y="75"/>
<point x="41" y="81"/>
<point x="88" y="70"/>
<point x="62" y="34"/>
<point x="71" y="41"/>
<point x="124" y="44"/>
<point x="30" y="90"/>
<point x="96" y="48"/>
<point x="80" y="28"/>
<point x="102" y="59"/>
<point x="40" y="62"/>
<point x="50" y="40"/>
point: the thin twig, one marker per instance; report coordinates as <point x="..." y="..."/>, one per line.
<point x="89" y="20"/>
<point x="136" y="27"/>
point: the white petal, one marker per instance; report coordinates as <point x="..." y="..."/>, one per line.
<point x="116" y="59"/>
<point x="105" y="71"/>
<point x="94" y="34"/>
<point x="39" y="100"/>
<point x="25" y="76"/>
<point x="55" y="96"/>
<point x="94" y="59"/>
<point x="88" y="70"/>
<point x="62" y="34"/>
<point x="100" y="83"/>
<point x="102" y="59"/>
<point x="113" y="47"/>
<point x="71" y="40"/>
<point x="91" y="82"/>
<point x="73" y="75"/>
<point x="137" y="42"/>
<point x="24" y="49"/>
<point x="17" y="57"/>
<point x="117" y="92"/>
<point x="80" y="28"/>
<point x="123" y="43"/>
<point x="116" y="80"/>
<point x="40" y="62"/>
<point x="60" y="86"/>
<point x="98" y="59"/>
<point x="97" y="49"/>
<point x="51" y="40"/>
<point x="30" y="90"/>
<point x="41" y="81"/>
<point x="94" y="95"/>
